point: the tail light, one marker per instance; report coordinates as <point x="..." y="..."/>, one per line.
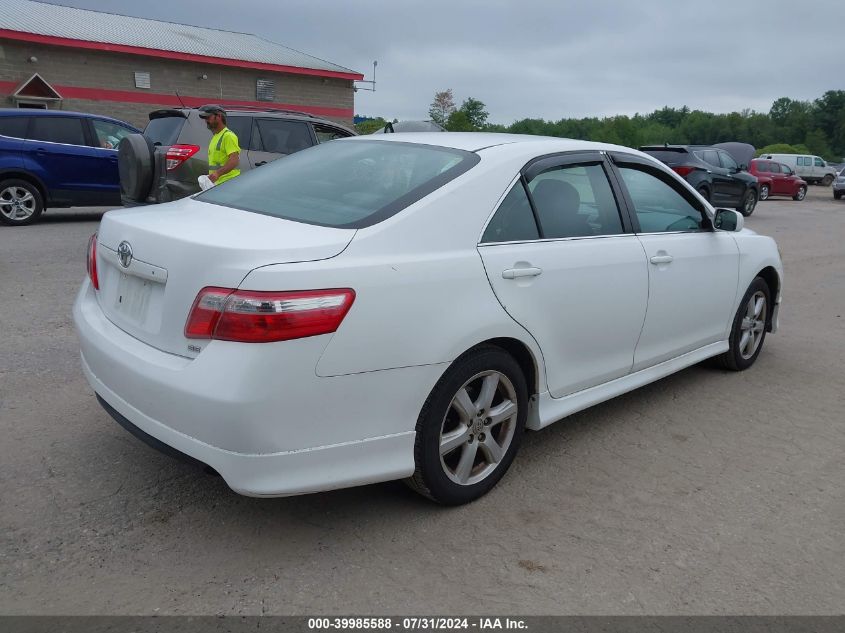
<point x="262" y="317"/>
<point x="683" y="170"/>
<point x="178" y="154"/>
<point x="92" y="261"/>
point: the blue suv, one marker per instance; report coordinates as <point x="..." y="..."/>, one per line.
<point x="51" y="158"/>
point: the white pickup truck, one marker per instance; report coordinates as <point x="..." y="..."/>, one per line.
<point x="811" y="168"/>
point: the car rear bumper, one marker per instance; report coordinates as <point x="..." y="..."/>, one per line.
<point x="301" y="434"/>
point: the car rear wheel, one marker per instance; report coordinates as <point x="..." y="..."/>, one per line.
<point x="749" y="327"/>
<point x="801" y="193"/>
<point x="705" y="193"/>
<point x="764" y="192"/>
<point x="20" y="202"/>
<point x="470" y="427"/>
<point x="749" y="201"/>
<point x="827" y="180"/>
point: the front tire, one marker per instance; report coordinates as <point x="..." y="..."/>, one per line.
<point x="764" y="192"/>
<point x="749" y="327"/>
<point x="827" y="180"/>
<point x="20" y="202"/>
<point x="470" y="427"/>
<point x="749" y="201"/>
<point x="802" y="193"/>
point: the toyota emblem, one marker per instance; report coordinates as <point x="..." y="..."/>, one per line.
<point x="124" y="254"/>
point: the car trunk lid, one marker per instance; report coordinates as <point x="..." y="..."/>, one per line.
<point x="152" y="261"/>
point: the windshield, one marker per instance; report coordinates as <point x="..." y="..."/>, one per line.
<point x="344" y="184"/>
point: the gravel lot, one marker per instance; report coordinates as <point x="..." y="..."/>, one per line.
<point x="706" y="493"/>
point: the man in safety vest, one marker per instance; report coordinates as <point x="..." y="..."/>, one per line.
<point x="224" y="153"/>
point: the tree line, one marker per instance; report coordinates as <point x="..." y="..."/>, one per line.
<point x="813" y="127"/>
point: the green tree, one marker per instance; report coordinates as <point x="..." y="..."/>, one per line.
<point x="370" y="125"/>
<point x="475" y="112"/>
<point x="459" y="122"/>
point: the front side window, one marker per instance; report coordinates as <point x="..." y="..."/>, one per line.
<point x="659" y="206"/>
<point x="65" y="130"/>
<point x="325" y="133"/>
<point x="819" y="162"/>
<point x="727" y="161"/>
<point x="513" y="220"/>
<point x="282" y="137"/>
<point x="575" y="201"/>
<point x="108" y="135"/>
<point x="349" y="184"/>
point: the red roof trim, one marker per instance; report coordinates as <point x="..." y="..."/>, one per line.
<point x="152" y="98"/>
<point x="189" y="57"/>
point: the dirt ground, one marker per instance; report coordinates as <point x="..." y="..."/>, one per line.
<point x="708" y="492"/>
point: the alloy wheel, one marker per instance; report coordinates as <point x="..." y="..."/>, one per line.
<point x="16" y="203"/>
<point x="478" y="427"/>
<point x="753" y="325"/>
<point x="764" y="192"/>
<point x="750" y="203"/>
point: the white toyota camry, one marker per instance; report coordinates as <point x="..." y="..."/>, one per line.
<point x="405" y="306"/>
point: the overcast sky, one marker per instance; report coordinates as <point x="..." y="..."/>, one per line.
<point x="547" y="58"/>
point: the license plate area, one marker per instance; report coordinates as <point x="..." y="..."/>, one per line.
<point x="133" y="297"/>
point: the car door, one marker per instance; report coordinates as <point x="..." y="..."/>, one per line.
<point x="564" y="264"/>
<point x="105" y="181"/>
<point x="275" y="138"/>
<point x="734" y="187"/>
<point x="790" y="180"/>
<point x="57" y="150"/>
<point x="693" y="269"/>
<point x="780" y="185"/>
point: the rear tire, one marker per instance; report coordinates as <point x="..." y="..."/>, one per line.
<point x="705" y="193"/>
<point x="749" y="201"/>
<point x="749" y="327"/>
<point x="802" y="193"/>
<point x="21" y="202"/>
<point x="764" y="192"/>
<point x="470" y="427"/>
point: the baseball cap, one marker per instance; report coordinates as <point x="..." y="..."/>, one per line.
<point x="207" y="110"/>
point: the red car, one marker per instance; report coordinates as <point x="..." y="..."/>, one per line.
<point x="777" y="179"/>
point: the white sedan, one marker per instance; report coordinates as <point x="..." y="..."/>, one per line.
<point x="405" y="306"/>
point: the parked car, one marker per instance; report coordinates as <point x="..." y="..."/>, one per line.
<point x="411" y="126"/>
<point x="839" y="185"/>
<point x="811" y="168"/>
<point x="712" y="172"/>
<point x="163" y="165"/>
<point x="53" y="158"/>
<point x="404" y="306"/>
<point x="777" y="179"/>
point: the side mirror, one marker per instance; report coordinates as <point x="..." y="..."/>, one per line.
<point x="728" y="220"/>
<point x="743" y="167"/>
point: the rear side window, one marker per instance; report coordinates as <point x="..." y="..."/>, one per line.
<point x="761" y="166"/>
<point x="710" y="156"/>
<point x="164" y="130"/>
<point x="659" y="206"/>
<point x="514" y="220"/>
<point x="345" y="184"/>
<point x="773" y="167"/>
<point x="242" y="127"/>
<point x="66" y="130"/>
<point x="575" y="201"/>
<point x="282" y="137"/>
<point x="13" y="126"/>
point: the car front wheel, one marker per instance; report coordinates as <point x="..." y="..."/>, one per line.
<point x="827" y="180"/>
<point x="749" y="327"/>
<point x="470" y="427"/>
<point x="801" y="193"/>
<point x="764" y="192"/>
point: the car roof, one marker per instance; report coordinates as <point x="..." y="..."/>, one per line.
<point x="269" y="112"/>
<point x="476" y="141"/>
<point x="59" y="113"/>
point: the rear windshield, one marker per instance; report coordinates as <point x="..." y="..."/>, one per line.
<point x="164" y="130"/>
<point x="668" y="156"/>
<point x="344" y="184"/>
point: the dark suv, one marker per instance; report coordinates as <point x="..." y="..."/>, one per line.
<point x="713" y="173"/>
<point x="51" y="158"/>
<point x="164" y="164"/>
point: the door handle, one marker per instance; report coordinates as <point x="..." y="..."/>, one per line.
<point x="661" y="259"/>
<point x="513" y="273"/>
<point x="261" y="162"/>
